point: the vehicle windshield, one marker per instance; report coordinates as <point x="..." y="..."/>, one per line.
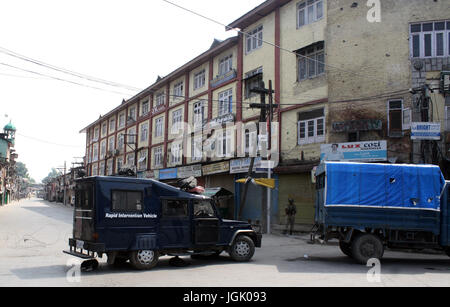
<point x="203" y="208"/>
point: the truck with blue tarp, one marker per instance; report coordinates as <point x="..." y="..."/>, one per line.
<point x="369" y="207"/>
<point x="140" y="220"/>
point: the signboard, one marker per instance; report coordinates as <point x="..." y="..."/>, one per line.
<point x="426" y="131"/>
<point x="241" y="165"/>
<point x="358" y="125"/>
<point x="168" y="173"/>
<point x="190" y="170"/>
<point x="218" y="121"/>
<point x="216" y="168"/>
<point x="359" y="151"/>
<point x="148" y="174"/>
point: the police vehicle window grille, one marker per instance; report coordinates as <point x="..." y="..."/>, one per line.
<point x="175" y="208"/>
<point x="127" y="201"/>
<point x="203" y="209"/>
<point x="83" y="199"/>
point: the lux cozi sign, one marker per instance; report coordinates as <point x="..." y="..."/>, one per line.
<point x="372" y="151"/>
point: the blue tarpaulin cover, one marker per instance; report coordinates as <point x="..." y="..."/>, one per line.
<point x="383" y="185"/>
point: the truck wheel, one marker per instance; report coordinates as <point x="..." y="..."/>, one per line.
<point x="365" y="247"/>
<point x="346" y="248"/>
<point x="144" y="259"/>
<point x="242" y="249"/>
<point x="447" y="251"/>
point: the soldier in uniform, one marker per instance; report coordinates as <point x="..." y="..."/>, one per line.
<point x="291" y="211"/>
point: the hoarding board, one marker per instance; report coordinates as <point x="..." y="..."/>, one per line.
<point x="372" y="151"/>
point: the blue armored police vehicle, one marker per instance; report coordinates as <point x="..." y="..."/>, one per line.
<point x="140" y="220"/>
<point x="369" y="207"/>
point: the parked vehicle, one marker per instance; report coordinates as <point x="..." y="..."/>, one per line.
<point x="140" y="220"/>
<point x="370" y="207"/>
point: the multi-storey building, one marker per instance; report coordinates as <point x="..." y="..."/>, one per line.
<point x="341" y="73"/>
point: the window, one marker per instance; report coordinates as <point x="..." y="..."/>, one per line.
<point x="126" y="201"/>
<point x="197" y="150"/>
<point x="175" y="208"/>
<point x="311" y="61"/>
<point x="253" y="80"/>
<point x="130" y="160"/>
<point x="132" y="114"/>
<point x="177" y="118"/>
<point x="158" y="154"/>
<point x="95" y="170"/>
<point x="395" y="118"/>
<point x="430" y="39"/>
<point x="109" y="167"/>
<point x="160" y="99"/>
<point x="176" y="152"/>
<point x="159" y="127"/>
<point x="145" y="108"/>
<point x="311" y="127"/>
<point x="144" y="132"/>
<point x="254" y="39"/>
<point x="96" y="134"/>
<point x="178" y="91"/>
<point x="251" y="143"/>
<point x="142" y="160"/>
<point x="225" y="65"/>
<point x="112" y="125"/>
<point x="225" y="102"/>
<point x="103" y="149"/>
<point x="119" y="163"/>
<point x="131" y="136"/>
<point x="121" y="120"/>
<point x="203" y="209"/>
<point x="224" y="143"/>
<point x="120" y="141"/>
<point x="104" y="128"/>
<point x="199" y="79"/>
<point x="95" y="152"/>
<point x="198" y="114"/>
<point x="309" y="11"/>
<point x="101" y="170"/>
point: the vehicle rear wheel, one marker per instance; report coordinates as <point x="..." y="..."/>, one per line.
<point x="242" y="249"/>
<point x="144" y="259"/>
<point x="346" y="248"/>
<point x="365" y="247"/>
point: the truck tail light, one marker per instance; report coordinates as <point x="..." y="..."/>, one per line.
<point x="95" y="236"/>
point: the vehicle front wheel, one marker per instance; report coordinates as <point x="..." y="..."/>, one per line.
<point x="144" y="259"/>
<point x="367" y="246"/>
<point x="242" y="249"/>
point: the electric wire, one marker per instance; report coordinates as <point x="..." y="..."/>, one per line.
<point x="66" y="71"/>
<point x="48" y="142"/>
<point x="62" y="80"/>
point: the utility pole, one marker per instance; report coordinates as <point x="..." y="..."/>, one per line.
<point x="262" y="119"/>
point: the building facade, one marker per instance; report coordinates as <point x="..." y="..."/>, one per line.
<point x="348" y="76"/>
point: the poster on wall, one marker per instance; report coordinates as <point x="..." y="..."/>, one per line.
<point x="373" y="151"/>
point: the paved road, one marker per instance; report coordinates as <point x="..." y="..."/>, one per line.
<point x="33" y="234"/>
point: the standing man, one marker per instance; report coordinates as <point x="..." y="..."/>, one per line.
<point x="291" y="211"/>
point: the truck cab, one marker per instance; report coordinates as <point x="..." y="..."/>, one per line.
<point x="140" y="220"/>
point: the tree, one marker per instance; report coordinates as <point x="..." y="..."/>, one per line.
<point x="53" y="174"/>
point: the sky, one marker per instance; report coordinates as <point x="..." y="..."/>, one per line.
<point x="127" y="42"/>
